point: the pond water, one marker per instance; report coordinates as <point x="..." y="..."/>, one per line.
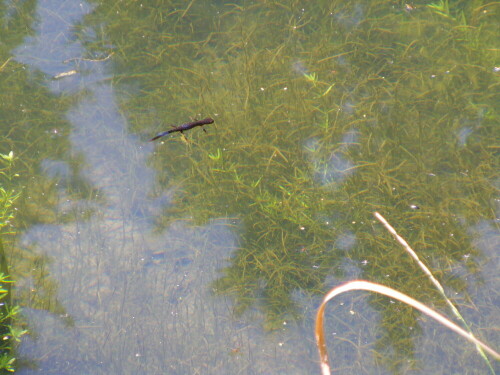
<point x="209" y="252"/>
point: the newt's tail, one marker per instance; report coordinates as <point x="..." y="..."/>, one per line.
<point x="159" y="135"/>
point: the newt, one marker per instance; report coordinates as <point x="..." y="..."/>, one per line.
<point x="184" y="127"/>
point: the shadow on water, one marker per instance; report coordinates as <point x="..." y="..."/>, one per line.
<point x="210" y="252"/>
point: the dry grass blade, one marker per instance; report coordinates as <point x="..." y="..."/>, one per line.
<point x="410" y="251"/>
<point x="436" y="283"/>
<point x="377" y="288"/>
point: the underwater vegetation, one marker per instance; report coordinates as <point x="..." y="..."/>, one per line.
<point x="33" y="124"/>
<point x="10" y="327"/>
<point x="323" y="113"/>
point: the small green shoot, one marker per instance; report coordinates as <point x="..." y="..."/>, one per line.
<point x="256" y="183"/>
<point x="326" y="91"/>
<point x="217" y="156"/>
<point x="313" y="78"/>
<point x="442" y="8"/>
<point x="9" y="157"/>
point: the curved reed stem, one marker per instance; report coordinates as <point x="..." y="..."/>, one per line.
<point x="381" y="289"/>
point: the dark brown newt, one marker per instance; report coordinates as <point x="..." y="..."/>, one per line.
<point x="184" y="127"/>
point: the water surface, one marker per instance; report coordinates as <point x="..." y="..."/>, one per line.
<point x="210" y="252"/>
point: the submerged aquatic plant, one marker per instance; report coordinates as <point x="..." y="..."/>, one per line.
<point x="7" y="195"/>
<point x="298" y="155"/>
<point x="301" y="157"/>
<point x="9" y="324"/>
